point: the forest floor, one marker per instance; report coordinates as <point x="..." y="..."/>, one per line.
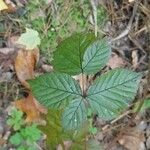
<point x="126" y="23"/>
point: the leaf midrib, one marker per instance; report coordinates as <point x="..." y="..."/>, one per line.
<point x="114" y="86"/>
<point x="61" y="90"/>
<point x="74" y="111"/>
<point x="94" y="56"/>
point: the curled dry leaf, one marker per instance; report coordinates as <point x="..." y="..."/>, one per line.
<point x="24" y="65"/>
<point x="131" y="138"/>
<point x="2" y="141"/>
<point x="31" y="107"/>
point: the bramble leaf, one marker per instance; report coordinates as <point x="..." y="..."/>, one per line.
<point x="30" y="39"/>
<point x="112" y="92"/>
<point x="54" y="89"/>
<point x="69" y="54"/>
<point x="96" y="56"/>
<point x="75" y="114"/>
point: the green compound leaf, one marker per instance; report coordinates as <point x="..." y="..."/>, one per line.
<point x="54" y="89"/>
<point x="30" y="39"/>
<point x="96" y="57"/>
<point x="74" y="115"/>
<point x="69" y="54"/>
<point x="112" y="92"/>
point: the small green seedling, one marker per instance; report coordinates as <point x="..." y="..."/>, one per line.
<point x="92" y="130"/>
<point x="107" y="96"/>
<point x="15" y="119"/>
<point x="25" y="136"/>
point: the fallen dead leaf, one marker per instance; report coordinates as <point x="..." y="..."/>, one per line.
<point x="116" y="61"/>
<point x="3" y="6"/>
<point x="24" y="65"/>
<point x="131" y="138"/>
<point x="2" y="141"/>
<point x="11" y="6"/>
<point x="31" y="107"/>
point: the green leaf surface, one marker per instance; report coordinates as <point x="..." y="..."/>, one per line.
<point x="54" y="89"/>
<point x="74" y="115"/>
<point x="30" y="39"/>
<point x="69" y="54"/>
<point x="53" y="129"/>
<point x="31" y="133"/>
<point x="15" y="119"/>
<point x="96" y="56"/>
<point x="112" y="92"/>
<point x="16" y="139"/>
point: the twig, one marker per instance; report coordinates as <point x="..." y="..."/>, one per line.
<point x="126" y="31"/>
<point x="37" y="146"/>
<point x="115" y="120"/>
<point x="93" y="4"/>
<point x="148" y="80"/>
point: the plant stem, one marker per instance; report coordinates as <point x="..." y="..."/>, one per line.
<point x="85" y="145"/>
<point x="83" y="84"/>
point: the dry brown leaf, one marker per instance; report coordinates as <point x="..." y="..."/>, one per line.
<point x="116" y="61"/>
<point x="24" y="65"/>
<point x="11" y="7"/>
<point x="31" y="107"/>
<point x="3" y="6"/>
<point x="131" y="138"/>
<point x="2" y="141"/>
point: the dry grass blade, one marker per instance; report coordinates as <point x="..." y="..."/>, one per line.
<point x="126" y="31"/>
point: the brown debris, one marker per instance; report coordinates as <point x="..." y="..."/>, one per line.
<point x="116" y="61"/>
<point x="131" y="138"/>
